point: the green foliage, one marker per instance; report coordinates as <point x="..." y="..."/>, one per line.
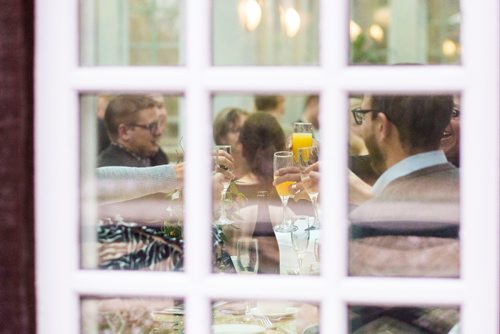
<point x="233" y="201"/>
<point x="367" y="51"/>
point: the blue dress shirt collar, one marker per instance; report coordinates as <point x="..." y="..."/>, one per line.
<point x="408" y="166"/>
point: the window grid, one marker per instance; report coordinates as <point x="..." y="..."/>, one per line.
<point x="60" y="81"/>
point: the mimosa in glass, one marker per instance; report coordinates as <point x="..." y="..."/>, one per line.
<point x="283" y="159"/>
<point x="301" y="137"/>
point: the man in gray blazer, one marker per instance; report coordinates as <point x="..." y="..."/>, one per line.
<point x="410" y="226"/>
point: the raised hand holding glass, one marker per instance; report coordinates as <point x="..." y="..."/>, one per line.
<point x="307" y="157"/>
<point x="223" y="219"/>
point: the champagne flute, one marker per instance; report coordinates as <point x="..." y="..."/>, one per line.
<point x="317" y="254"/>
<point x="307" y="157"/>
<point x="247" y="255"/>
<point x="301" y="137"/>
<point x="247" y="262"/>
<point x="300" y="238"/>
<point x="223" y="220"/>
<point x="317" y="250"/>
<point x="283" y="159"/>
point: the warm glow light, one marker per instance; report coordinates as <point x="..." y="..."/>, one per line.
<point x="376" y="32"/>
<point x="354" y="30"/>
<point x="250" y="14"/>
<point x="382" y="16"/>
<point x="291" y="22"/>
<point x="449" y="48"/>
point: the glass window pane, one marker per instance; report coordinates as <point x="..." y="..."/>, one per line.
<point x="131" y="315"/>
<point x="267" y="196"/>
<point x="256" y="32"/>
<point x="403" y="320"/>
<point x="131" y="32"/>
<point x="404" y="185"/>
<point x="131" y="199"/>
<point x="254" y="316"/>
<point x="409" y="31"/>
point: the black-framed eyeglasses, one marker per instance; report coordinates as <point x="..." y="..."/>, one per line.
<point x="151" y="127"/>
<point x="359" y="114"/>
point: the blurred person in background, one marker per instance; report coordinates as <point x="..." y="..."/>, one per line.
<point x="260" y="137"/>
<point x="160" y="158"/>
<point x="311" y="114"/>
<point x="103" y="140"/>
<point x="227" y="127"/>
<point x="273" y="105"/>
<point x="450" y="142"/>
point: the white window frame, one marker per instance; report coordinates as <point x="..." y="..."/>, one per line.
<point x="60" y="80"/>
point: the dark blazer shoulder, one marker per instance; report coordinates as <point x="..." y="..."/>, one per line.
<point x="115" y="156"/>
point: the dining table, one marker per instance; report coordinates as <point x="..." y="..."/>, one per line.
<point x="245" y="317"/>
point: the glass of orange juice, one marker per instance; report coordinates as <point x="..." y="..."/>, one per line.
<point x="301" y="137"/>
<point x="283" y="159"/>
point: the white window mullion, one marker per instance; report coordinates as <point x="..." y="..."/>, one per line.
<point x="266" y="79"/>
<point x="56" y="167"/>
<point x="122" y="79"/>
<point x="197" y="182"/>
<point x="334" y="50"/>
<point x="115" y="283"/>
<point x="59" y="81"/>
<point x="431" y="79"/>
<point x="264" y="287"/>
<point x="480" y="166"/>
<point x="402" y="291"/>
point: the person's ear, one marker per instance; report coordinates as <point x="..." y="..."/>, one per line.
<point x="384" y="127"/>
<point x="123" y="132"/>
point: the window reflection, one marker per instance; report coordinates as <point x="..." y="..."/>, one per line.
<point x="131" y="315"/>
<point x="267" y="204"/>
<point x="234" y="316"/>
<point x="393" y="319"/>
<point x="256" y="32"/>
<point x="405" y="193"/>
<point x="131" y="32"/>
<point x="390" y="32"/>
<point x="132" y="185"/>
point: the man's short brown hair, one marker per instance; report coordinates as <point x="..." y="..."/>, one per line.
<point x="420" y="119"/>
<point x="124" y="109"/>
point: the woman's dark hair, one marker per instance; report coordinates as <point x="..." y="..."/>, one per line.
<point x="261" y="137"/>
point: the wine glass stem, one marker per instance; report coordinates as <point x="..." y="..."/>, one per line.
<point x="314" y="201"/>
<point x="300" y="257"/>
<point x="222" y="208"/>
<point x="284" y="202"/>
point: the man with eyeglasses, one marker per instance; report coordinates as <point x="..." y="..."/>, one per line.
<point x="410" y="226"/>
<point x="133" y="125"/>
<point x="415" y="205"/>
